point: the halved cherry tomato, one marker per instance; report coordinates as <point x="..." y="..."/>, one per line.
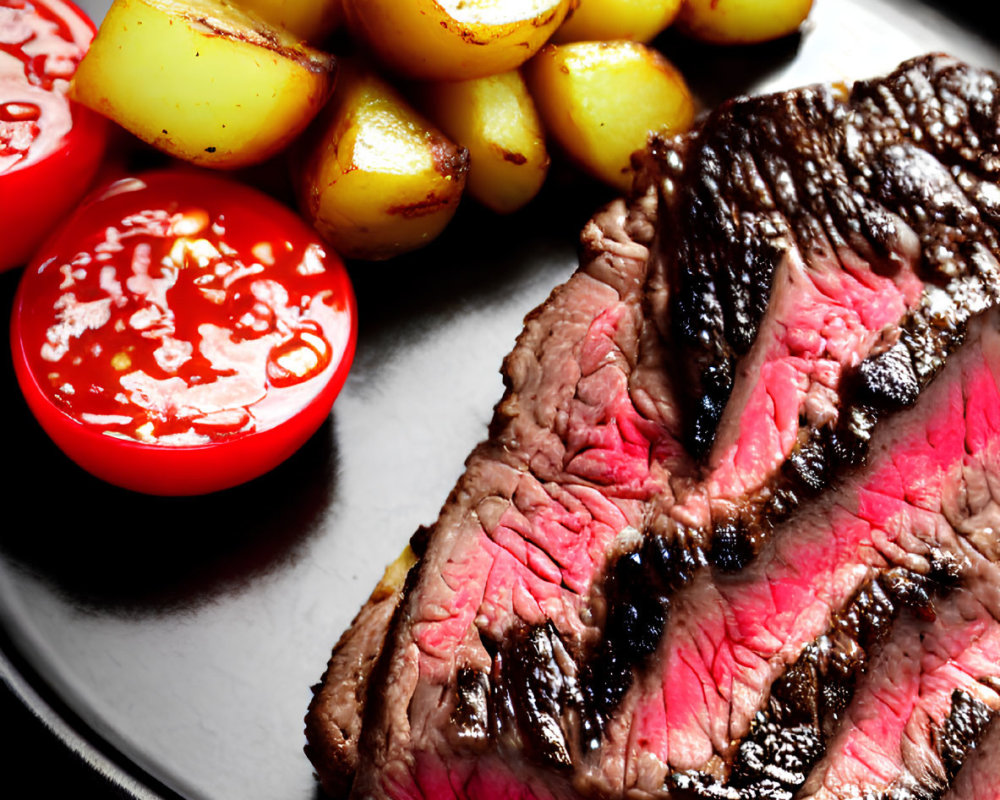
<point x="50" y="147"/>
<point x="182" y="333"/>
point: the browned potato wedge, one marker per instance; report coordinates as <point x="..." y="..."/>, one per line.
<point x="377" y="179"/>
<point x="202" y="80"/>
<point x="310" y="20"/>
<point x="454" y="39"/>
<point x="601" y="100"/>
<point x="495" y="119"/>
<point x="741" y="21"/>
<point x="602" y="20"/>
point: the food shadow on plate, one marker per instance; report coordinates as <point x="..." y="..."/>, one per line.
<point x="715" y="73"/>
<point x="480" y="259"/>
<point x="118" y="550"/>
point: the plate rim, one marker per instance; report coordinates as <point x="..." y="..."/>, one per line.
<point x="66" y="730"/>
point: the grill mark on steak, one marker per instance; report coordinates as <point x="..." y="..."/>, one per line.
<point x="979" y="776"/>
<point x="795" y="198"/>
<point x="637" y="593"/>
<point x="538" y="676"/>
<point x="963" y="730"/>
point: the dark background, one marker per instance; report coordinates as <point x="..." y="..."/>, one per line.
<point x="36" y="764"/>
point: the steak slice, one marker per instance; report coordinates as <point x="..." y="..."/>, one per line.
<point x="742" y="452"/>
<point x="587" y="433"/>
<point x="578" y="446"/>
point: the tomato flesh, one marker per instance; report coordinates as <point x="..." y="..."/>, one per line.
<point x="188" y="313"/>
<point x="50" y="147"/>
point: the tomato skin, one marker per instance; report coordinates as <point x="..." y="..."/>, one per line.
<point x="170" y="469"/>
<point x="41" y="191"/>
<point x="37" y="196"/>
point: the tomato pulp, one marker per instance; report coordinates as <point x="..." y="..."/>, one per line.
<point x="50" y="147"/>
<point x="182" y="333"/>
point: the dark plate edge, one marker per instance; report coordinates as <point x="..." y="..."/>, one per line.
<point x="87" y="756"/>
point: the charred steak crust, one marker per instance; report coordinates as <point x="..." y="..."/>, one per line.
<point x="738" y="498"/>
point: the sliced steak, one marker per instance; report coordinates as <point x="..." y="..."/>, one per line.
<point x="745" y="455"/>
<point x="731" y="636"/>
<point x="872" y="252"/>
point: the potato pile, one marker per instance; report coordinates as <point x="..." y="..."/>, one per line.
<point x="433" y="99"/>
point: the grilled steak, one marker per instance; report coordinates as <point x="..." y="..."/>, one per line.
<point x="733" y="533"/>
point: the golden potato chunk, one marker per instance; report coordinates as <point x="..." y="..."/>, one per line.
<point x="601" y="100"/>
<point x="202" y="80"/>
<point x="377" y="179"/>
<point x="454" y="39"/>
<point x="496" y="120"/>
<point x="310" y="20"/>
<point x="602" y="20"/>
<point x="741" y="21"/>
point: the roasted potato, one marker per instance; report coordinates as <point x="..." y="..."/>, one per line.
<point x="602" y="20"/>
<point x="310" y="20"/>
<point x="741" y="21"/>
<point x="374" y="177"/>
<point x="601" y="100"/>
<point x="496" y="120"/>
<point x="202" y="79"/>
<point x="454" y="39"/>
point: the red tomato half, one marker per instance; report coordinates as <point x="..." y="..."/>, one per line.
<point x="182" y="333"/>
<point x="50" y="147"/>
